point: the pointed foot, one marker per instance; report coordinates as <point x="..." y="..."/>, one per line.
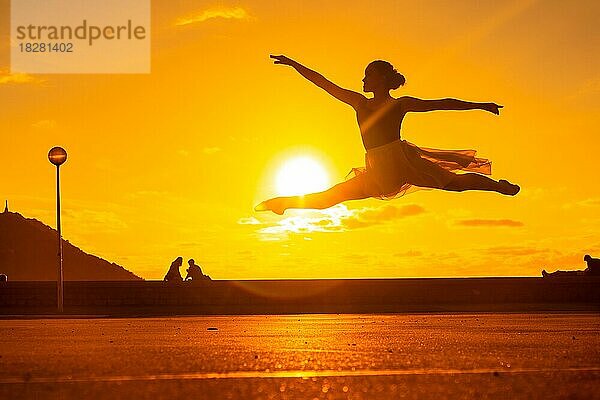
<point x="508" y="188"/>
<point x="261" y="207"/>
<point x="275" y="205"/>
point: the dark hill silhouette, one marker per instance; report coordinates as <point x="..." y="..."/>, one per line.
<point x="28" y="251"/>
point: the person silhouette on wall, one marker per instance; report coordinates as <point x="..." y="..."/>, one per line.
<point x="593" y="265"/>
<point x="194" y="272"/>
<point x="593" y="269"/>
<point x="173" y="274"/>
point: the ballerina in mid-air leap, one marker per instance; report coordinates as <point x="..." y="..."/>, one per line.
<point x="393" y="165"/>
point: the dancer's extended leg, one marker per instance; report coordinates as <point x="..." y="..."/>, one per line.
<point x="472" y="181"/>
<point x="352" y="189"/>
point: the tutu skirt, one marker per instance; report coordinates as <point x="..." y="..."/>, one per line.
<point x="395" y="168"/>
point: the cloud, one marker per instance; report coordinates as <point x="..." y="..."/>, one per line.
<point x="249" y="221"/>
<point x="373" y="216"/>
<point x="86" y="220"/>
<point x="7" y="78"/>
<point x="95" y="221"/>
<point x="515" y="251"/>
<point x="223" y="12"/>
<point x="150" y="196"/>
<point x="590" y="202"/>
<point x="490" y="223"/>
<point x="356" y="258"/>
<point x="409" y="253"/>
<point x="211" y="150"/>
<point x="246" y="255"/>
<point x="45" y="124"/>
<point x="339" y="218"/>
<point x="189" y="244"/>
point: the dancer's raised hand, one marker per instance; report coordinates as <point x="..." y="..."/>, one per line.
<point x="281" y="59"/>
<point x="492" y="107"/>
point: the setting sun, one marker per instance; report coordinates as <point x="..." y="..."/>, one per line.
<point x="301" y="175"/>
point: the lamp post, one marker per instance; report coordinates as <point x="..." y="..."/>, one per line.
<point x="57" y="156"/>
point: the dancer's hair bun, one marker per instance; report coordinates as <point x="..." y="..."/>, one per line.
<point x="396" y="79"/>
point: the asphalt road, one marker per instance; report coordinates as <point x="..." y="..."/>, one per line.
<point x="476" y="356"/>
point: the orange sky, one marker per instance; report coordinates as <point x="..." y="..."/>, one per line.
<point x="171" y="163"/>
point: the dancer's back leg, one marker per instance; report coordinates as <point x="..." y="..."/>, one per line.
<point x="352" y="189"/>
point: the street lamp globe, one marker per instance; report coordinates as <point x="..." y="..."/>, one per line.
<point x="57" y="155"/>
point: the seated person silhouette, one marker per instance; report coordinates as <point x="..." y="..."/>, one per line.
<point x="173" y="274"/>
<point x="593" y="269"/>
<point x="194" y="272"/>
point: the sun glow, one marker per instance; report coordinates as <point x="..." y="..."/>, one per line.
<point x="301" y="175"/>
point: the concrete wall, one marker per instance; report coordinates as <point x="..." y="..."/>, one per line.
<point x="300" y="296"/>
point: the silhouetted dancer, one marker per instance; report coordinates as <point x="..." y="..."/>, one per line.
<point x="593" y="269"/>
<point x="173" y="274"/>
<point x="194" y="272"/>
<point x="3" y="278"/>
<point x="392" y="165"/>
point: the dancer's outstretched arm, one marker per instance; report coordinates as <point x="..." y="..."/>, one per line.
<point x="347" y="96"/>
<point x="420" y="105"/>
